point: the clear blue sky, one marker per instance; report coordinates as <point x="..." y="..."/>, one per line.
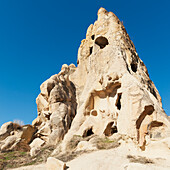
<point x="38" y="36"/>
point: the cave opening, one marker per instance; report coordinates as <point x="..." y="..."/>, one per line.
<point x="134" y="67"/>
<point x="91" y="50"/>
<point x="88" y="132"/>
<point x="101" y="42"/>
<point x="118" y="101"/>
<point x="110" y="129"/>
<point x="93" y="37"/>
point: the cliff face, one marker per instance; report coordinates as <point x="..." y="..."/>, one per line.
<point x="56" y="106"/>
<point x="113" y="89"/>
<point x="109" y="92"/>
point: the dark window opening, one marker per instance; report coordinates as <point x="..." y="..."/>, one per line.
<point x="148" y="110"/>
<point x="48" y="116"/>
<point x="88" y="132"/>
<point x="118" y="101"/>
<point x="134" y="67"/>
<point x="91" y="50"/>
<point x="109" y="78"/>
<point x="110" y="129"/>
<point x="94" y="112"/>
<point x="155" y="124"/>
<point x="101" y="41"/>
<point x="92" y="37"/>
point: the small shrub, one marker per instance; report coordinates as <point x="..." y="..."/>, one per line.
<point x="74" y="142"/>
<point x="19" y="122"/>
<point x="139" y="159"/>
<point x="68" y="156"/>
<point x="105" y="143"/>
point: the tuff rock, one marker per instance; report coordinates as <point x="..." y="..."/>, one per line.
<point x="109" y="94"/>
<point x="55" y="164"/>
<point x="114" y="92"/>
<point x="16" y="137"/>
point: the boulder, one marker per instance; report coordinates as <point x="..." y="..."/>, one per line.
<point x="8" y="142"/>
<point x="27" y="133"/>
<point x="138" y="166"/>
<point x="20" y="145"/>
<point x="5" y="130"/>
<point x="16" y="137"/>
<point x="36" y="146"/>
<point x="55" y="164"/>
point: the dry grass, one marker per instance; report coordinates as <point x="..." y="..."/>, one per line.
<point x="139" y="159"/>
<point x="68" y="156"/>
<point x="100" y="143"/>
<point x="14" y="159"/>
<point x="105" y="143"/>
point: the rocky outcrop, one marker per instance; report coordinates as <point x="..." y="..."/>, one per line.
<point x="113" y="88"/>
<point x="16" y="137"/>
<point x="56" y="106"/>
<point x="109" y="92"/>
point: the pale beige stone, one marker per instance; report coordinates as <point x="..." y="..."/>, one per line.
<point x="5" y="129"/>
<point x="113" y="88"/>
<point x="37" y="142"/>
<point x="56" y="106"/>
<point x="55" y="164"/>
<point x="137" y="166"/>
<point x="8" y="142"/>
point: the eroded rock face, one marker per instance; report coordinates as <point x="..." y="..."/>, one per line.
<point x="113" y="89"/>
<point x="109" y="92"/>
<point x="16" y="137"/>
<point x="56" y="106"/>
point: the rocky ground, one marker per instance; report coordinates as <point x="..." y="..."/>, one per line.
<point x="94" y="153"/>
<point x="14" y="159"/>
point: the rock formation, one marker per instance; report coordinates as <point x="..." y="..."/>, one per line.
<point x="108" y="92"/>
<point x="16" y="137"/>
<point x="113" y="90"/>
<point x="56" y="106"/>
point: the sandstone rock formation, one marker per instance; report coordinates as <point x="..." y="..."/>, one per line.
<point x="16" y="137"/>
<point x="109" y="92"/>
<point x="56" y="106"/>
<point x="113" y="90"/>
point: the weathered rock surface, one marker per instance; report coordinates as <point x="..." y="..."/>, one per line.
<point x="109" y="92"/>
<point x="108" y="95"/>
<point x="53" y="164"/>
<point x="113" y="89"/>
<point x="16" y="137"/>
<point x="36" y="146"/>
<point x="56" y="106"/>
<point x="125" y="157"/>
